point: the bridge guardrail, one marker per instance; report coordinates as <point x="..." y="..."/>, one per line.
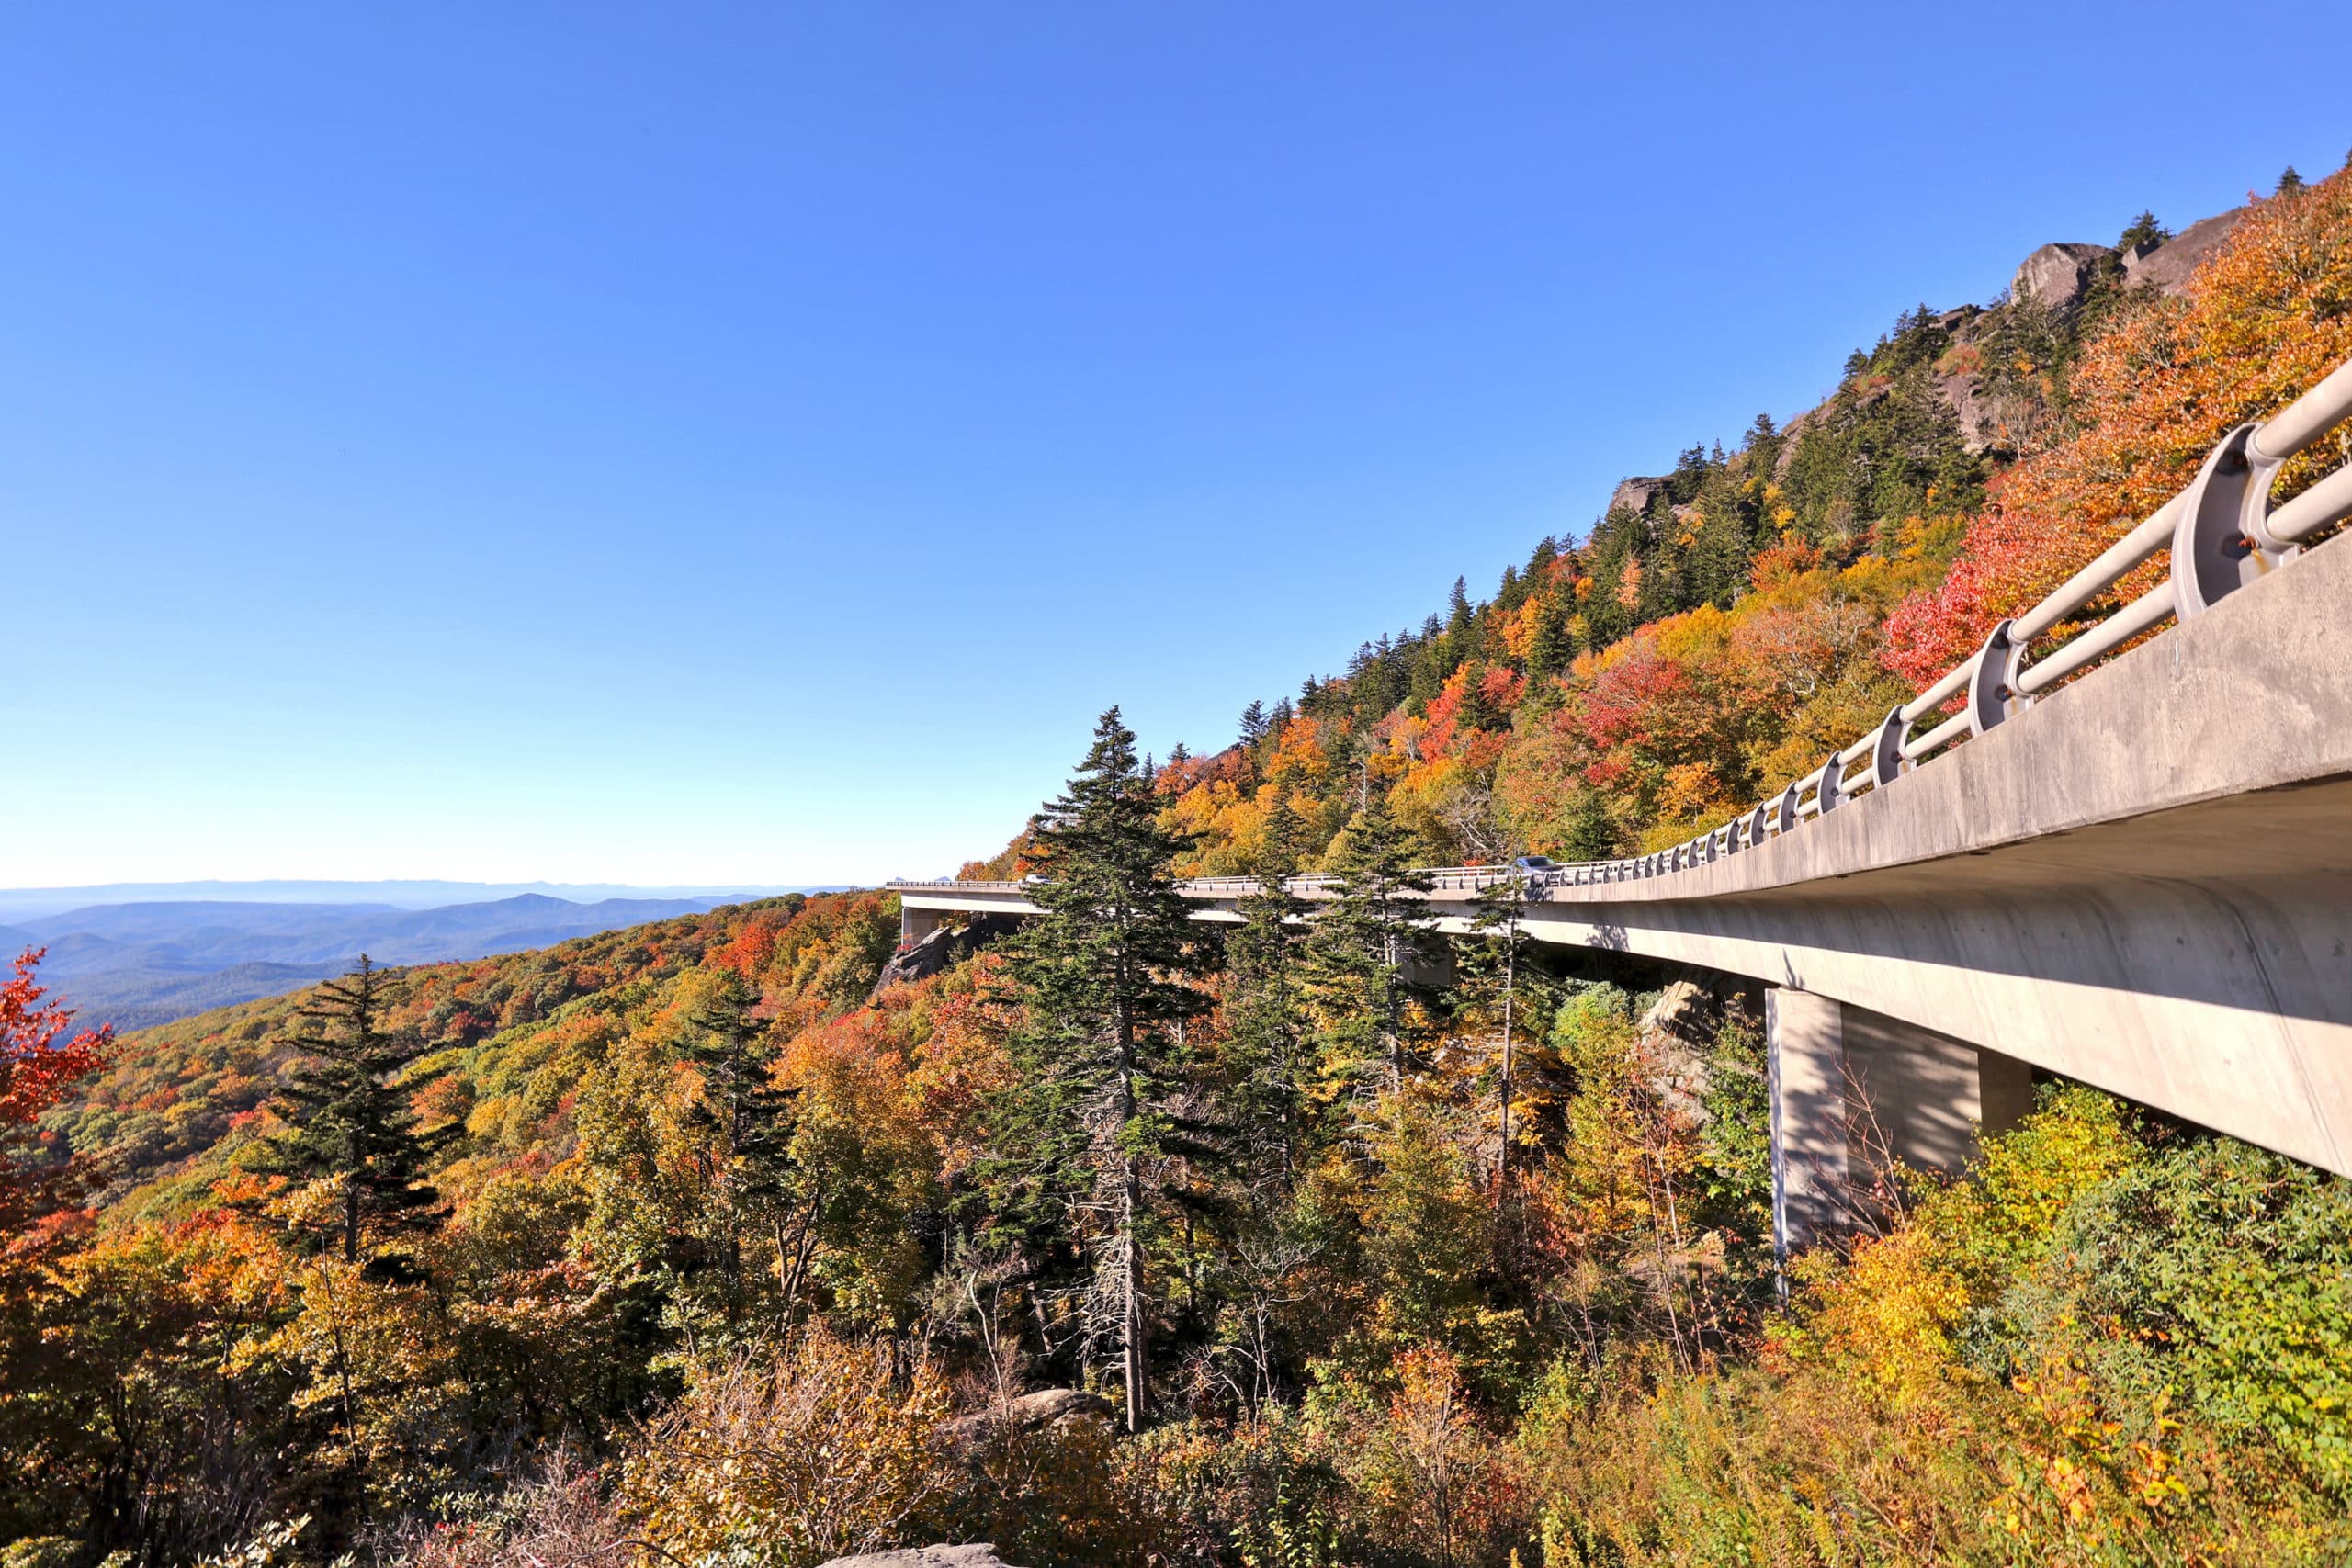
<point x="2219" y="534"/>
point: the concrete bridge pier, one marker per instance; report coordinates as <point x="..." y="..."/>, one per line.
<point x="1852" y="1088"/>
<point x="916" y="924"/>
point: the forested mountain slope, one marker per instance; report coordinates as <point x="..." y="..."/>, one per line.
<point x="1724" y="627"/>
<point x="191" y="1090"/>
<point x="1134" y="1240"/>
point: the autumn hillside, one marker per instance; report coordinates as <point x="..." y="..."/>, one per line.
<point x="1319" y="1239"/>
<point x="1726" y="625"/>
<point x="513" y="1034"/>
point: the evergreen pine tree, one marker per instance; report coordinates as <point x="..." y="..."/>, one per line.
<point x="2289" y="182"/>
<point x="1548" y="649"/>
<point x="2143" y="231"/>
<point x="1496" y="973"/>
<point x="1102" y="980"/>
<point x="1253" y="724"/>
<point x="1368" y="949"/>
<point x="348" y="1121"/>
<point x="1593" y="833"/>
<point x="1264" y="1020"/>
<point x="744" y="1125"/>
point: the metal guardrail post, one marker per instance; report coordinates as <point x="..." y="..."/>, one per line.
<point x="1887" y="761"/>
<point x="2221" y="543"/>
<point x="1785" y="813"/>
<point x="1993" y="693"/>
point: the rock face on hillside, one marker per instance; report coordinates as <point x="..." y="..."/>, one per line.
<point x="1634" y="494"/>
<point x="2167" y="267"/>
<point x="1676" y="1032"/>
<point x="941" y="949"/>
<point x="2057" y="276"/>
<point x="981" y="1555"/>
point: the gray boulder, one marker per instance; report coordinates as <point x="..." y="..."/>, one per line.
<point x="1048" y="1407"/>
<point x="981" y="1555"/>
<point x="2057" y="276"/>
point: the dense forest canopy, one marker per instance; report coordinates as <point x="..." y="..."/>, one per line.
<point x="1124" y="1239"/>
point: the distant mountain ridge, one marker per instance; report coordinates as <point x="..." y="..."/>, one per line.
<point x="136" y="964"/>
<point x="20" y="904"/>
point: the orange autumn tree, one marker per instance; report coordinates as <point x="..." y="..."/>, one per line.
<point x="2260" y="323"/>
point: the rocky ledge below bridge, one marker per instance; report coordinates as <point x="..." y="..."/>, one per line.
<point x="941" y="949"/>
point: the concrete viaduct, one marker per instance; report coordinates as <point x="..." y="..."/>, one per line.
<point x="2129" y="869"/>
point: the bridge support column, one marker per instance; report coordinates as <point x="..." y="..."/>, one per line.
<point x="1852" y="1089"/>
<point x="1805" y="1066"/>
<point x="916" y="924"/>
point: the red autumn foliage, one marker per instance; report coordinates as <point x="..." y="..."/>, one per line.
<point x="35" y="1071"/>
<point x="748" y="953"/>
<point x="34" y="1068"/>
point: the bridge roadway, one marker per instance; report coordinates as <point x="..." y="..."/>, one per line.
<point x="2142" y="880"/>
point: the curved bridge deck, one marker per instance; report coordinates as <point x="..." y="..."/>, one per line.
<point x="2136" y="873"/>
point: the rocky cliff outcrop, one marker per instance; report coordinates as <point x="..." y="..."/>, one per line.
<point x="942" y="949"/>
<point x="2167" y="267"/>
<point x="2059" y="276"/>
<point x="1679" y="1034"/>
<point x="1635" y="495"/>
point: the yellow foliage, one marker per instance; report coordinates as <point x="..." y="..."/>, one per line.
<point x="1518" y="630"/>
<point x="1892" y="1313"/>
<point x="1694" y="635"/>
<point x="818" y="1452"/>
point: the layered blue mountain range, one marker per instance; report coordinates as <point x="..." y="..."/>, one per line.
<point x="139" y="964"/>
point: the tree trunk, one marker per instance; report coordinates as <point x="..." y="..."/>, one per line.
<point x="1139" y="1375"/>
<point x="1510" y="991"/>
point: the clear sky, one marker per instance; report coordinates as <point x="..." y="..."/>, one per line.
<point x="678" y="443"/>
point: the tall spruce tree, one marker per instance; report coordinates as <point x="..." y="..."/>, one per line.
<point x="744" y="1123"/>
<point x="1253" y="724"/>
<point x="1370" y="950"/>
<point x="346" y="1105"/>
<point x="1264" y="1016"/>
<point x="1549" y="649"/>
<point x="1101" y="978"/>
<point x="1497" y="975"/>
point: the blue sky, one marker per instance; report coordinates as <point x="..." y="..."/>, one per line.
<point x="750" y="444"/>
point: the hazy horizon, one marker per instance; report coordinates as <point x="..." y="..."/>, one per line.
<point x="403" y="894"/>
